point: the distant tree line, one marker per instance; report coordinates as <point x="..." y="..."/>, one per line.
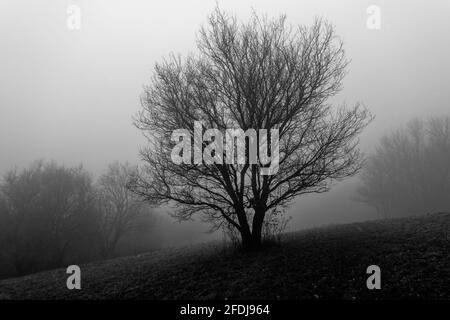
<point x="51" y="215"/>
<point x="409" y="172"/>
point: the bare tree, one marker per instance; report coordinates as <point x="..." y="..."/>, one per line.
<point x="263" y="74"/>
<point x="120" y="210"/>
<point x="409" y="173"/>
<point x="46" y="207"/>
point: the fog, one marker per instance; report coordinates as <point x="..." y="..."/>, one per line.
<point x="69" y="95"/>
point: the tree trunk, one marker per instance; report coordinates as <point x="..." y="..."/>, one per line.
<point x="247" y="240"/>
<point x="252" y="241"/>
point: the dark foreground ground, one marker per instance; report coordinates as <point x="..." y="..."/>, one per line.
<point x="324" y="263"/>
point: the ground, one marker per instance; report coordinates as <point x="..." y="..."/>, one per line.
<point x="323" y="263"/>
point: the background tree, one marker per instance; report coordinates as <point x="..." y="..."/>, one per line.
<point x="263" y="74"/>
<point x="120" y="210"/>
<point x="44" y="207"/>
<point x="409" y="171"/>
<point x="5" y="236"/>
<point x="52" y="215"/>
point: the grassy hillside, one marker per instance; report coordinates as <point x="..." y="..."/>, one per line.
<point x="324" y="263"/>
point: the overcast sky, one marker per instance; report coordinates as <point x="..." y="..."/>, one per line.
<point x="69" y="95"/>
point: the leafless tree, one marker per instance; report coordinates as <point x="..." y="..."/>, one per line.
<point x="120" y="210"/>
<point x="409" y="171"/>
<point x="46" y="208"/>
<point x="264" y="74"/>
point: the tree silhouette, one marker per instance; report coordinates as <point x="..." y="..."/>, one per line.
<point x="409" y="173"/>
<point x="264" y="74"/>
<point x="119" y="209"/>
<point x="47" y="209"/>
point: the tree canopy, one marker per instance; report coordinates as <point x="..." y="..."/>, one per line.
<point x="262" y="74"/>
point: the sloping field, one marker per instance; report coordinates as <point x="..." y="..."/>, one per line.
<point x="323" y="263"/>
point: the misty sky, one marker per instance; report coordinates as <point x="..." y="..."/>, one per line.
<point x="69" y="95"/>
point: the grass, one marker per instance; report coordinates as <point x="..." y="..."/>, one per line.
<point x="323" y="263"/>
